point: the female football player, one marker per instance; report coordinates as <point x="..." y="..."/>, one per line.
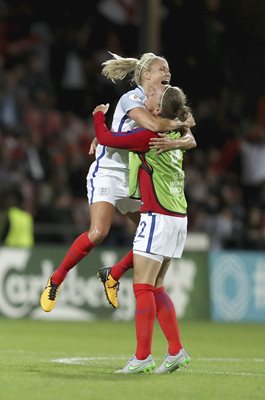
<point x="162" y="230"/>
<point x="107" y="180"/>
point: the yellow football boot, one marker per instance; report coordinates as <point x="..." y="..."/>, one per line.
<point x="49" y="296"/>
<point x="111" y="286"/>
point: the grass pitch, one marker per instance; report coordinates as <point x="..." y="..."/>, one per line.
<point x="69" y="360"/>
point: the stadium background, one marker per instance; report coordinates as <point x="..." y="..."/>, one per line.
<point x="51" y="81"/>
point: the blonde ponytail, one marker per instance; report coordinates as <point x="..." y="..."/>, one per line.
<point x="119" y="67"/>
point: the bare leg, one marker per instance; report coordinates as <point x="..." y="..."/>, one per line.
<point x="100" y="221"/>
<point x="101" y="216"/>
<point x="145" y="269"/>
<point x="134" y="217"/>
<point x="122" y="266"/>
<point x="162" y="273"/>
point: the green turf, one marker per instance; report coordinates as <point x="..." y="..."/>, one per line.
<point x="228" y="361"/>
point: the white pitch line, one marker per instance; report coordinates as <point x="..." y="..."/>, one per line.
<point x="86" y="360"/>
<point x="82" y="360"/>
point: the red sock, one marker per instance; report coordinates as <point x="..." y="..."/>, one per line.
<point x="122" y="266"/>
<point x="79" y="249"/>
<point x="145" y="315"/>
<point x="166" y="315"/>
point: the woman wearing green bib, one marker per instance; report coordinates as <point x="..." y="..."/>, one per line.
<point x="161" y="233"/>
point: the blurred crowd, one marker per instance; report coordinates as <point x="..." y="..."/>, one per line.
<point x="50" y="82"/>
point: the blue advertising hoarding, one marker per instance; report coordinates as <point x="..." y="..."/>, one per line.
<point x="237" y="286"/>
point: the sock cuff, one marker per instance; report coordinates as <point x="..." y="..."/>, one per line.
<point x="142" y="287"/>
<point x="85" y="242"/>
<point x="159" y="290"/>
<point x="146" y="286"/>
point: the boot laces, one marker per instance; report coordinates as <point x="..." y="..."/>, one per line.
<point x="53" y="291"/>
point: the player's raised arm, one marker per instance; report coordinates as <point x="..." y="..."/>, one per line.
<point x="135" y="139"/>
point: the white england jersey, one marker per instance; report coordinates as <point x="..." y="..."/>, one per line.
<point x="108" y="176"/>
<point x="108" y="157"/>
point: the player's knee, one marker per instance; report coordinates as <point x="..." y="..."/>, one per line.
<point x="98" y="234"/>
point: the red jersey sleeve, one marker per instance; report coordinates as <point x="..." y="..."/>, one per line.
<point x="134" y="140"/>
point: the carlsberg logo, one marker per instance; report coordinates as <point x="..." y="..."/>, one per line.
<point x="81" y="298"/>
